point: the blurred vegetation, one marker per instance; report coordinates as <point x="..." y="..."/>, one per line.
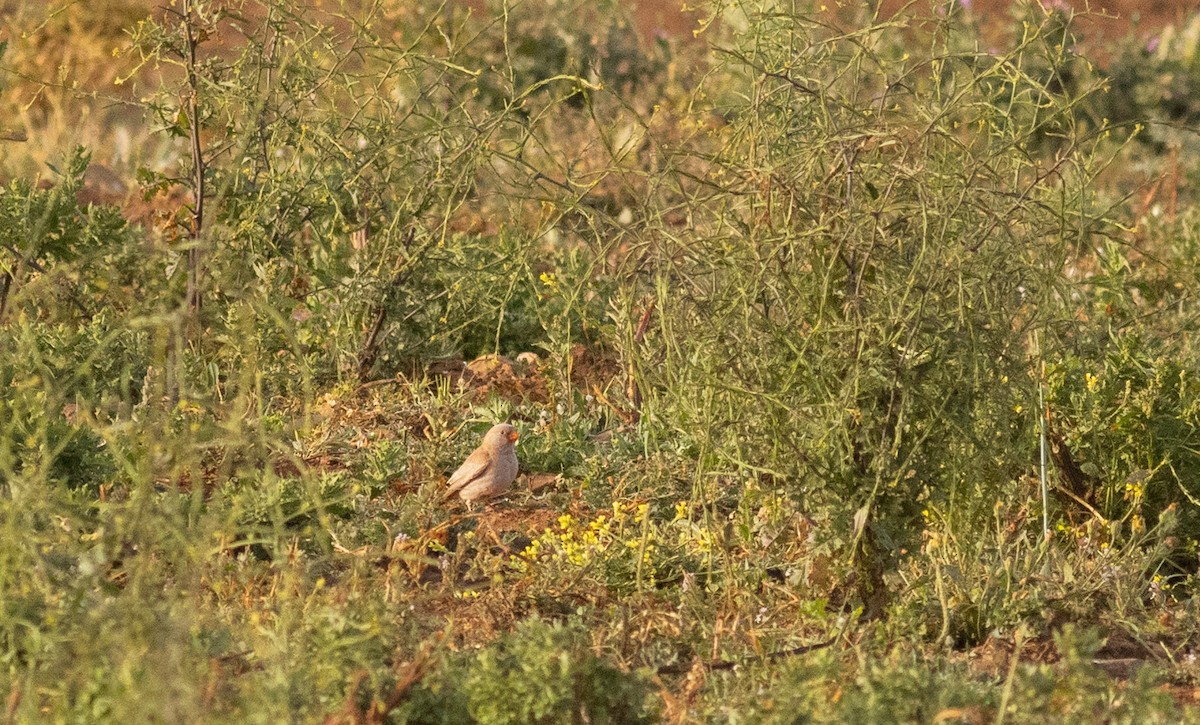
<point x="855" y="365"/>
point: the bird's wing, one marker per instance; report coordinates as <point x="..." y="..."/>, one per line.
<point x="471" y="469"/>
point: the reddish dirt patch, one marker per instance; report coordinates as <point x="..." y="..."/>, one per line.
<point x="1111" y="18"/>
<point x="993" y="657"/>
<point x="528" y="521"/>
<point x="1096" y="24"/>
<point x="1185" y="695"/>
<point x="1100" y="22"/>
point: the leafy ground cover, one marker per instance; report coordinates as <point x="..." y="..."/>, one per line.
<point x="854" y="359"/>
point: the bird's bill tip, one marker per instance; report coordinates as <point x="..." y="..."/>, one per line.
<point x="513" y="436"/>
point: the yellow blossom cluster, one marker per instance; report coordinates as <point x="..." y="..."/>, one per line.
<point x="626" y="534"/>
<point x="578" y="542"/>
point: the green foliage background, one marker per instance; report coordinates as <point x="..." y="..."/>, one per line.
<point x="819" y="301"/>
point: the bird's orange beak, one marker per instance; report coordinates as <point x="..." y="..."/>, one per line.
<point x="513" y="436"/>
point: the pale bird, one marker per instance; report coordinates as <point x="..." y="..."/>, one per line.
<point x="490" y="469"/>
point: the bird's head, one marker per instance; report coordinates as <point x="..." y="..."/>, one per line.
<point x="501" y="434"/>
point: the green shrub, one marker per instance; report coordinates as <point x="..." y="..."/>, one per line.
<point x="62" y="261"/>
<point x="540" y="673"/>
<point x="905" y="686"/>
<point x="1130" y="422"/>
<point x="868" y="263"/>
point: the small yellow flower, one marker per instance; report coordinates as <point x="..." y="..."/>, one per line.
<point x="1093" y="382"/>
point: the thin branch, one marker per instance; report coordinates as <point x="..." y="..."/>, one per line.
<point x="195" y="258"/>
